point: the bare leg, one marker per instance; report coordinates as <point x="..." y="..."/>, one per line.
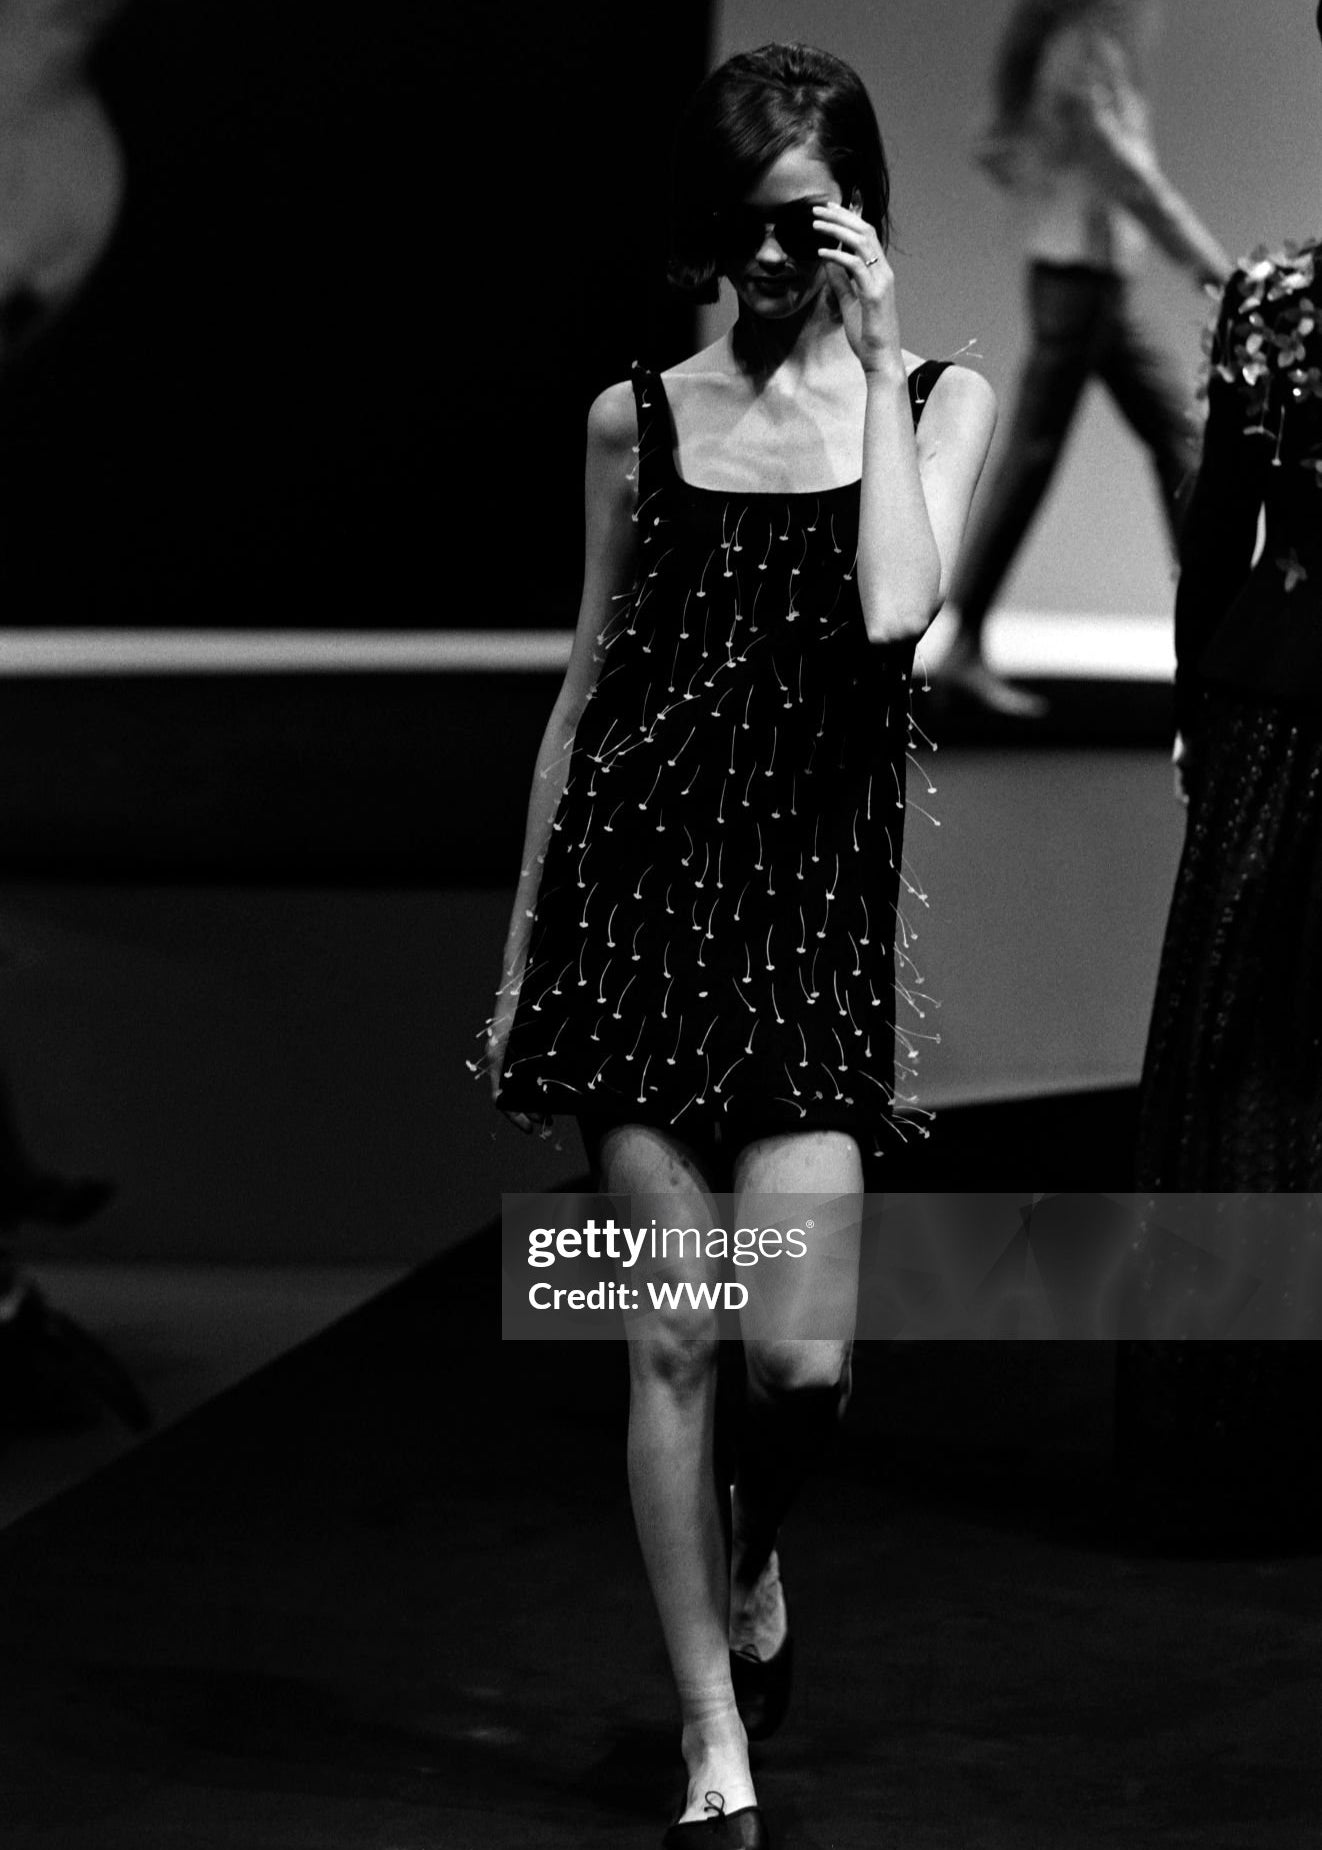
<point x="672" y="1371"/>
<point x="1147" y="390"/>
<point x="1068" y="310"/>
<point x="798" y="1332"/>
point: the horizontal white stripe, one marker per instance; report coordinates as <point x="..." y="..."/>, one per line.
<point x="216" y="651"/>
<point x="1068" y="645"/>
<point x="1031" y="643"/>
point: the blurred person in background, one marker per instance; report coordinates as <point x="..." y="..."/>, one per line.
<point x="1070" y="140"/>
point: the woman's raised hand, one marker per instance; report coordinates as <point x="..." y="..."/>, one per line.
<point x="863" y="285"/>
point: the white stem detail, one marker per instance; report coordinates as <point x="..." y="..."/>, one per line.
<point x="801" y="1109"/>
<point x="672" y="1057"/>
<point x="652" y="792"/>
<point x="931" y="787"/>
<point x="680" y="753"/>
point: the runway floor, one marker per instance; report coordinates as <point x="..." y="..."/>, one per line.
<point x="386" y="1595"/>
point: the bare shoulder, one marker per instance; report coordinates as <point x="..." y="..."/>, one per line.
<point x="961" y="396"/>
<point x="613" y="420"/>
<point x="715" y="361"/>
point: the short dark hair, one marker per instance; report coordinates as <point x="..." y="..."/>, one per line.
<point x="749" y="112"/>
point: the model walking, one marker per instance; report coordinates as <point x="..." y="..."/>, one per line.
<point x="1071" y="140"/>
<point x="700" y="964"/>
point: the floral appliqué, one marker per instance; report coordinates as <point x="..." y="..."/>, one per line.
<point x="1269" y="346"/>
<point x="1253" y="350"/>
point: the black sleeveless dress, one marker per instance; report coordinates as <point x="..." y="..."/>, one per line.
<point x="718" y="922"/>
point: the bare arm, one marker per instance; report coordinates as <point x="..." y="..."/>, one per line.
<point x="607" y="575"/>
<point x="1124" y="165"/>
<point x="917" y="487"/>
<point x="917" y="490"/>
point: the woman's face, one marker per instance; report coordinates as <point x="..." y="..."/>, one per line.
<point x="769" y="279"/>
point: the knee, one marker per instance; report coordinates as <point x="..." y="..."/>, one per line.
<point x="798" y="1370"/>
<point x="678" y="1361"/>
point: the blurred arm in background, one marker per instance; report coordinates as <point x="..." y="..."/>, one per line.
<point x="61" y="170"/>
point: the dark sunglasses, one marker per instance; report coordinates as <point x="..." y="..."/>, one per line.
<point x="741" y="232"/>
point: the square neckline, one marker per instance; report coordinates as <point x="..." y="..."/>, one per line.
<point x="752" y="494"/>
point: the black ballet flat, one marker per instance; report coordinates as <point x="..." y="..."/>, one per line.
<point x="762" y="1688"/>
<point x="745" y="1829"/>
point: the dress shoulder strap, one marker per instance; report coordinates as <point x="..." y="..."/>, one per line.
<point x="655" y="435"/>
<point x="921" y="380"/>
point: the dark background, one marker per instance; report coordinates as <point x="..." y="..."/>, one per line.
<point x="373" y="264"/>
